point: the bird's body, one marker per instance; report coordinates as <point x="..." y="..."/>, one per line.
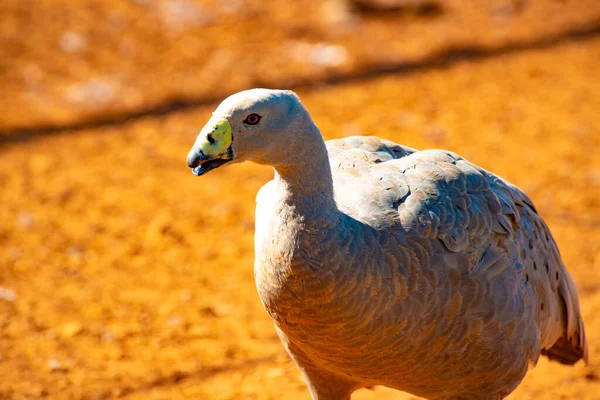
<point x="416" y="270"/>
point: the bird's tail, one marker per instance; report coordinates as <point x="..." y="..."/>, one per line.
<point x="572" y="345"/>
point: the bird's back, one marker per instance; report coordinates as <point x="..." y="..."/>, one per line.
<point x="439" y="278"/>
<point x="486" y="290"/>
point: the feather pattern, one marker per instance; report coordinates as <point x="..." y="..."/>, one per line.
<point x="439" y="278"/>
<point x="383" y="265"/>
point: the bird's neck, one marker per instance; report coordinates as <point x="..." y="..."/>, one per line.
<point x="305" y="183"/>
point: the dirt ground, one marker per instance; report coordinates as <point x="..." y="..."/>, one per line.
<point x="123" y="276"/>
<point x="64" y="61"/>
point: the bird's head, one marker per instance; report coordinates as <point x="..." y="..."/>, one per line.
<point x="248" y="126"/>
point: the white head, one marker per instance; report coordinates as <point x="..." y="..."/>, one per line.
<point x="260" y="125"/>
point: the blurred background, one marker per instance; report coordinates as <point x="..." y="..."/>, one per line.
<point x="122" y="276"/>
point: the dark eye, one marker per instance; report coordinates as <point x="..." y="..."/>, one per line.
<point x="252" y="119"/>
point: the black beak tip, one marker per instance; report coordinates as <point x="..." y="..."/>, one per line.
<point x="194" y="157"/>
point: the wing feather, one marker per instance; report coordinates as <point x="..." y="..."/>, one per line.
<point x="438" y="195"/>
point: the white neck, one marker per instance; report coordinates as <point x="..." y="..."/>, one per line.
<point x="305" y="180"/>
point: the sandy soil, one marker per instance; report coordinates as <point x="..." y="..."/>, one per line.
<point x="63" y="61"/>
<point x="124" y="276"/>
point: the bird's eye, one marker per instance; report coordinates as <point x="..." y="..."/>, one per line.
<point x="252" y="119"/>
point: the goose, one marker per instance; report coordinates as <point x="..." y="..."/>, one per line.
<point x="383" y="265"/>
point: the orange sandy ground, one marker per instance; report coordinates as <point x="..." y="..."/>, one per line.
<point x="124" y="276"/>
<point x="64" y="61"/>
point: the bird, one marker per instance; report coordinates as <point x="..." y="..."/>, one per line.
<point x="383" y="265"/>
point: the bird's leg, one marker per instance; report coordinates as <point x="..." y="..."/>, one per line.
<point x="326" y="387"/>
<point x="323" y="384"/>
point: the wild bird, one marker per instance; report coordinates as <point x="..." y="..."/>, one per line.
<point x="383" y="265"/>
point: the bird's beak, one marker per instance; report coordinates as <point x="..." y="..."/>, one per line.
<point x="212" y="148"/>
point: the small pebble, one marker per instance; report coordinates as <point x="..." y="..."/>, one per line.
<point x="25" y="220"/>
<point x="55" y="365"/>
<point x="72" y="42"/>
<point x="71" y="329"/>
<point x="7" y="294"/>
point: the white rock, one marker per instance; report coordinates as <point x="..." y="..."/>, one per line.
<point x="72" y="42"/>
<point x="7" y="294"/>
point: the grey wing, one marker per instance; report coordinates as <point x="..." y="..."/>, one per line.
<point x="488" y="231"/>
<point x="557" y="306"/>
<point x="474" y="212"/>
<point x="359" y="193"/>
<point x="364" y="150"/>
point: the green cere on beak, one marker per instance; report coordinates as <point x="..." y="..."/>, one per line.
<point x="218" y="140"/>
<point x="212" y="148"/>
